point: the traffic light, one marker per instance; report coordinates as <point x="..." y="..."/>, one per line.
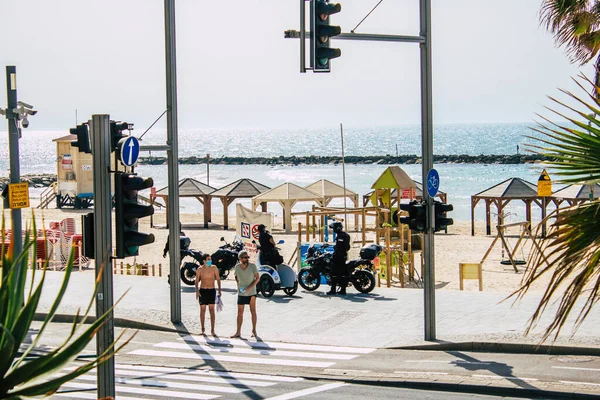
<point x="83" y="138"/>
<point x="441" y="221"/>
<point x="417" y="215"/>
<point x="87" y="225"/>
<point x="128" y="212"/>
<point x="116" y="133"/>
<point x="320" y="32"/>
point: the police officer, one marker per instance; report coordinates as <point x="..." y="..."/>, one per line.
<point x="340" y="252"/>
<point x="267" y="246"/>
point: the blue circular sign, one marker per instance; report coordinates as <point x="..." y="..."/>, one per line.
<point x="130" y="151"/>
<point x="433" y="182"/>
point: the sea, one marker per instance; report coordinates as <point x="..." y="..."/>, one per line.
<point x="459" y="181"/>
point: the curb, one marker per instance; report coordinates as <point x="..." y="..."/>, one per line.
<point x="500" y="347"/>
<point x="471" y="388"/>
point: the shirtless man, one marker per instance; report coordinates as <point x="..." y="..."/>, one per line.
<point x="206" y="275"/>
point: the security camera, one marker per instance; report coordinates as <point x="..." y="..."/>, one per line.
<point x="25" y="122"/>
<point x="23" y="104"/>
<point x="30" y="112"/>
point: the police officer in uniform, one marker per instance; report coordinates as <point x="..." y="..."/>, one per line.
<point x="340" y="252"/>
<point x="267" y="247"/>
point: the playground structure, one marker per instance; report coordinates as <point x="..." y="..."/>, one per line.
<point x="501" y="235"/>
<point x="397" y="242"/>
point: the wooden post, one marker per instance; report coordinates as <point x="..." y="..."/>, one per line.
<point x="388" y="257"/>
<point x="364" y="226"/>
<point x="121" y="268"/>
<point x="153" y="270"/>
<point x="307" y="227"/>
<point x="159" y="269"/>
<point x="299" y="232"/>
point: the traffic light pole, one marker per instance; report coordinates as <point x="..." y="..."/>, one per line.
<point x="424" y="40"/>
<point x="101" y="149"/>
<point x="172" y="160"/>
<point x="427" y="151"/>
<point x="13" y="145"/>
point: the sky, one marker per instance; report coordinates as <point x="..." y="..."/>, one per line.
<point x="492" y="62"/>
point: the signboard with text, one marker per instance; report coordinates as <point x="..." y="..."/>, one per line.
<point x="18" y="195"/>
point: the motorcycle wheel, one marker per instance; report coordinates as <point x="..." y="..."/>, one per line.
<point x="363" y="281"/>
<point x="187" y="276"/>
<point x="224" y="273"/>
<point x="292" y="290"/>
<point x="308" y="279"/>
<point x="266" y="285"/>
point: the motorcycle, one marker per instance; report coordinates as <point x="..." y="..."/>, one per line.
<point x="277" y="277"/>
<point x="227" y="256"/>
<point x="187" y="270"/>
<point x="320" y="263"/>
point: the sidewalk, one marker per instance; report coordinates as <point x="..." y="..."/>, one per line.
<point x="385" y="318"/>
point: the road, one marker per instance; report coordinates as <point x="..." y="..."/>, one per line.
<point x="161" y="365"/>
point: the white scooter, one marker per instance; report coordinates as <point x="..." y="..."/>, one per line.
<point x="280" y="277"/>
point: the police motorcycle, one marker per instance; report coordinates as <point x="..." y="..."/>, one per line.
<point x="320" y="263"/>
<point x="187" y="270"/>
<point x="278" y="277"/>
<point x="227" y="256"/>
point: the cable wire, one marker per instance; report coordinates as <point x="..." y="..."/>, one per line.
<point x="373" y="9"/>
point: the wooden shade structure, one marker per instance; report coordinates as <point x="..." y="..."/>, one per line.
<point x="501" y="195"/>
<point x="190" y="187"/>
<point x="242" y="188"/>
<point x="286" y="194"/>
<point x="576" y="194"/>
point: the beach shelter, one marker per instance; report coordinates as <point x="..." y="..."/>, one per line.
<point x="329" y="191"/>
<point x="190" y="187"/>
<point x="501" y="195"/>
<point x="286" y="194"/>
<point x="242" y="188"/>
<point x="576" y="194"/>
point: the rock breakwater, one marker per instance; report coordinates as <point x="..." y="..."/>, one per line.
<point x="384" y="160"/>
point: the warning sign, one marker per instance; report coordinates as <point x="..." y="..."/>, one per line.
<point x="18" y="195"/>
<point x="544" y="185"/>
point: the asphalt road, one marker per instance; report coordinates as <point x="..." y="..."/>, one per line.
<point x="161" y="365"/>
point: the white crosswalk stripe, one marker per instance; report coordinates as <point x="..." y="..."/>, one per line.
<point x="167" y="382"/>
<point x="248" y="352"/>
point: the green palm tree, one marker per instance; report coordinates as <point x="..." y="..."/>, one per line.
<point x="575" y="24"/>
<point x="570" y="253"/>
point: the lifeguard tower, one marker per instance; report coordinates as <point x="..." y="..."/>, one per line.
<point x="74" y="176"/>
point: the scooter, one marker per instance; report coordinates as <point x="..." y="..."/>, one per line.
<point x="278" y="277"/>
<point x="227" y="256"/>
<point x="187" y="270"/>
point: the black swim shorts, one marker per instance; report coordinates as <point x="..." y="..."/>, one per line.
<point x="208" y="296"/>
<point x="243" y="300"/>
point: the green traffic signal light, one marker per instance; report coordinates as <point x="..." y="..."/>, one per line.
<point x="321" y="32"/>
<point x="127" y="213"/>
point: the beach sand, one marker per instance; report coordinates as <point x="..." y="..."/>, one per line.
<point x="450" y="249"/>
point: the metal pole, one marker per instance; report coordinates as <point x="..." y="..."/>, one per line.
<point x="344" y="177"/>
<point x="302" y="36"/>
<point x="172" y="160"/>
<point x="207" y="169"/>
<point x="427" y="146"/>
<point x="100" y="135"/>
<point x="13" y="148"/>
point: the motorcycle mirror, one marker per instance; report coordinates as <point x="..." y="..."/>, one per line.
<point x="222" y="239"/>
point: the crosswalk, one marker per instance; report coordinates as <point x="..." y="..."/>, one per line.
<point x="250" y="352"/>
<point x="149" y="382"/>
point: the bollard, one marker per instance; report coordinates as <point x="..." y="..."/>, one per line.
<point x="153" y="269"/>
<point x="159" y="269"/>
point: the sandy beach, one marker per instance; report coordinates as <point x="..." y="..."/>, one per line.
<point x="450" y="249"/>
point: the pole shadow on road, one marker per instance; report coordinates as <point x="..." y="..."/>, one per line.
<point x="500" y="369"/>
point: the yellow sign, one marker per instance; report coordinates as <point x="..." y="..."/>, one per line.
<point x="18" y="195"/>
<point x="544" y="185"/>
